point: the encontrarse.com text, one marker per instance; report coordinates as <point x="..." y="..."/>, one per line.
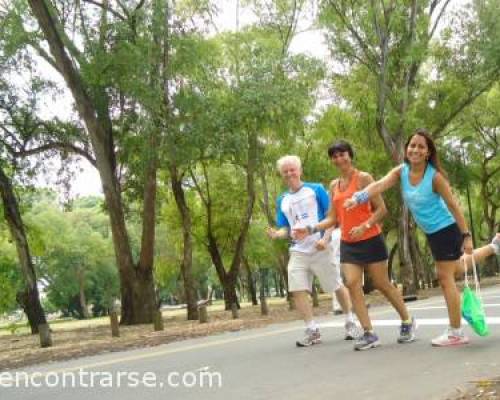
<point x="202" y="378"/>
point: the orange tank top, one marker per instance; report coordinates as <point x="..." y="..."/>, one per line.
<point x="348" y="219"/>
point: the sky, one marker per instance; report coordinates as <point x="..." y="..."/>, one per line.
<point x="309" y="41"/>
<point x="87" y="181"/>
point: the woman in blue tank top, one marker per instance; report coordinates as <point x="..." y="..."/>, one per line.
<point x="427" y="194"/>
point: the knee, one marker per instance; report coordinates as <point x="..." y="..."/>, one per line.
<point x="353" y="285"/>
<point x="445" y="279"/>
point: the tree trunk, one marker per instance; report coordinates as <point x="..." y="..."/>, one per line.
<point x="314" y="294"/>
<point x="419" y="273"/>
<point x="29" y="301"/>
<point x="230" y="295"/>
<point x="228" y="279"/>
<point x="136" y="282"/>
<point x="28" y="298"/>
<point x="82" y="298"/>
<point x="392" y="253"/>
<point x="405" y="233"/>
<point x="262" y="283"/>
<point x="282" y="284"/>
<point x="187" y="254"/>
<point x="406" y="264"/>
<point x="252" y="292"/>
<point x="276" y="284"/>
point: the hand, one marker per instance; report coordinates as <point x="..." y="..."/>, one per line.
<point x="468" y="246"/>
<point x="273" y="233"/>
<point x="299" y="232"/>
<point x="349" y="204"/>
<point x="357" y="231"/>
<point x="321" y="244"/>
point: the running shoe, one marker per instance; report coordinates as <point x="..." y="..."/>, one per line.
<point x="312" y="336"/>
<point x="368" y="341"/>
<point x="352" y="331"/>
<point x="407" y="331"/>
<point x="450" y="338"/>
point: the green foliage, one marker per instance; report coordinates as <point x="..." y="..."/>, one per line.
<point x="10" y="280"/>
<point x="224" y="89"/>
<point x="73" y="248"/>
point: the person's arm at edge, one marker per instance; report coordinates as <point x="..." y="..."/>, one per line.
<point x="375" y="188"/>
<point x="377" y="202"/>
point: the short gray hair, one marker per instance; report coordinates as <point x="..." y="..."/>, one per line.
<point x="288" y="159"/>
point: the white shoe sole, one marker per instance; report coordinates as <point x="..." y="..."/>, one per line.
<point x="368" y="347"/>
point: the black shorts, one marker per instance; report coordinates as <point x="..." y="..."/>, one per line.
<point x="446" y="244"/>
<point x="364" y="252"/>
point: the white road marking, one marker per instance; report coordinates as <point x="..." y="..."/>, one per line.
<point x="444" y="307"/>
<point x="420" y="322"/>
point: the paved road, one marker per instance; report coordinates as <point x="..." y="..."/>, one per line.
<point x="264" y="364"/>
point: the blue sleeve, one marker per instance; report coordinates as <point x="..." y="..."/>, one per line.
<point x="323" y="200"/>
<point x="281" y="220"/>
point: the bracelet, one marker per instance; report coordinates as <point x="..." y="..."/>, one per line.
<point x="361" y="197"/>
<point x="466" y="235"/>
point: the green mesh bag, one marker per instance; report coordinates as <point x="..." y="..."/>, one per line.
<point x="472" y="305"/>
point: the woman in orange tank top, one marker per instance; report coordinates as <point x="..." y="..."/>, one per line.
<point x="362" y="245"/>
<point x="357" y="217"/>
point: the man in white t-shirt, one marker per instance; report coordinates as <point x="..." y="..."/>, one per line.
<point x="304" y="204"/>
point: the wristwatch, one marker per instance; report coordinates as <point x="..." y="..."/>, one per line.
<point x="466" y="234"/>
<point x="311" y="229"/>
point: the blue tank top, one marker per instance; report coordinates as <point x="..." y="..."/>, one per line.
<point x="428" y="207"/>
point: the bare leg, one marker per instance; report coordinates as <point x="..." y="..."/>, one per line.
<point x="379" y="273"/>
<point x="344" y="299"/>
<point x="479" y="255"/>
<point x="354" y="282"/>
<point x="446" y="275"/>
<point x="303" y="305"/>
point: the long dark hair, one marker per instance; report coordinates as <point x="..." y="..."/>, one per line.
<point x="433" y="157"/>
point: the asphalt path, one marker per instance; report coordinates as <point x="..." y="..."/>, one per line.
<point x="265" y="364"/>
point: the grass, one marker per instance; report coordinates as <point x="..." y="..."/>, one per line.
<point x="65" y="324"/>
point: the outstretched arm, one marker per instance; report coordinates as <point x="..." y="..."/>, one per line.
<point x="375" y="188"/>
<point x="378" y="207"/>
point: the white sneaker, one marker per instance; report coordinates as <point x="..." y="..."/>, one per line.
<point x="352" y="331"/>
<point x="450" y="338"/>
<point x="311" y="337"/>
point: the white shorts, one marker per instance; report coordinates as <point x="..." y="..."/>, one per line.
<point x="302" y="267"/>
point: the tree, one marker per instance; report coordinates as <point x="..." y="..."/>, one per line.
<point x="93" y="101"/>
<point x="10" y="279"/>
<point x="74" y="255"/>
<point x="392" y="42"/>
